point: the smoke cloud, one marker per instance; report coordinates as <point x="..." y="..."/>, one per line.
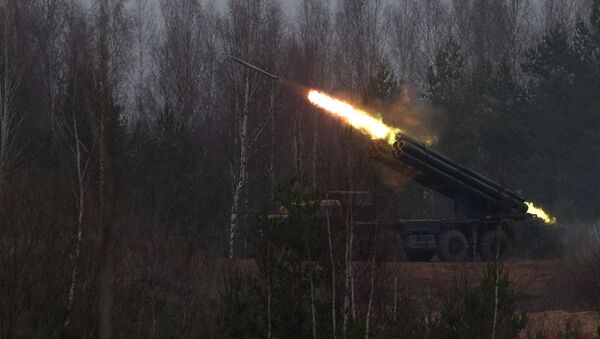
<point x="409" y="112"/>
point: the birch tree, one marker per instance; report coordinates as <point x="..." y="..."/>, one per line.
<point x="314" y="36"/>
<point x="359" y="49"/>
<point x="81" y="139"/>
<point x="247" y="31"/>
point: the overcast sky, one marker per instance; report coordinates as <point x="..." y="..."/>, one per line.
<point x="288" y="5"/>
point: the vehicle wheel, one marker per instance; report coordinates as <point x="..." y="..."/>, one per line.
<point x="452" y="246"/>
<point x="488" y="245"/>
<point x="422" y="256"/>
<point x="389" y="247"/>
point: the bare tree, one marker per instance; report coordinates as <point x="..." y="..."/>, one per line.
<point x="333" y="280"/>
<point x="371" y="290"/>
<point x="144" y="34"/>
<point x="119" y="43"/>
<point x="435" y="26"/>
<point x="314" y="37"/>
<point x="248" y="31"/>
<point x="519" y="23"/>
<point x="186" y="60"/>
<point x="405" y="39"/>
<point x="482" y="28"/>
<point x="556" y="13"/>
<point x="361" y="37"/>
<point x="76" y="123"/>
<point x="112" y="51"/>
<point x="10" y="118"/>
<point x="51" y="36"/>
<point x="582" y="269"/>
<point x="83" y="156"/>
<point x="417" y="31"/>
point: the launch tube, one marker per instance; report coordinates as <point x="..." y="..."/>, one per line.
<point x="457" y="173"/>
<point x="402" y="138"/>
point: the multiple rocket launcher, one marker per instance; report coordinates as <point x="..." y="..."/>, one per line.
<point x="475" y="195"/>
<point x="478" y="196"/>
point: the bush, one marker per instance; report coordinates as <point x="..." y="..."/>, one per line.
<point x="277" y="298"/>
<point x="582" y="271"/>
<point x="472" y="316"/>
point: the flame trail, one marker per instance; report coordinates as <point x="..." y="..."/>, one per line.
<point x="358" y="118"/>
<point x="377" y="129"/>
<point x="540" y="213"/>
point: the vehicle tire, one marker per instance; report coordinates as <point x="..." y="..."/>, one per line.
<point x="420" y="255"/>
<point x="489" y="242"/>
<point x="452" y="246"/>
<point x="388" y="247"/>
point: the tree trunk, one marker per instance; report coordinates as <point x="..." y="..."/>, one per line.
<point x="241" y="176"/>
<point x="315" y="151"/>
<point x="333" y="289"/>
<point x="312" y="306"/>
<point x="273" y="141"/>
<point x="108" y="184"/>
<point x="81" y="182"/>
<point x="349" y="275"/>
<point x="9" y="120"/>
<point x="4" y="118"/>
<point x="371" y="289"/>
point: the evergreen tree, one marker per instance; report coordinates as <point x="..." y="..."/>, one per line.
<point x="562" y="121"/>
<point x="383" y="85"/>
<point x="290" y="282"/>
<point x="504" y="136"/>
<point x="445" y="77"/>
<point x="163" y="173"/>
<point x="451" y="89"/>
<point x="474" y="316"/>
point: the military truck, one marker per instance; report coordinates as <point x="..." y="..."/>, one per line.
<point x="485" y="212"/>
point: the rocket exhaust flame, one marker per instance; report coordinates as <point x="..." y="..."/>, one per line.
<point x="359" y="119"/>
<point x="540" y="213"/>
<point x="377" y="129"/>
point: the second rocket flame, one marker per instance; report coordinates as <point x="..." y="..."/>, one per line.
<point x="540" y="213"/>
<point x="358" y="118"/>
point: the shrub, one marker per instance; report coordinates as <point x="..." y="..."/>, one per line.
<point x="472" y="316"/>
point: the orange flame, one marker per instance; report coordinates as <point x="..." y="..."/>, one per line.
<point x="359" y="119"/>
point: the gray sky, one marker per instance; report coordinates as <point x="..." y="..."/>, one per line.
<point x="288" y="5"/>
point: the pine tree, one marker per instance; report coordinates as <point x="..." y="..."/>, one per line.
<point x="445" y="77"/>
<point x="278" y="302"/>
<point x="562" y="119"/>
<point x="472" y="316"/>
